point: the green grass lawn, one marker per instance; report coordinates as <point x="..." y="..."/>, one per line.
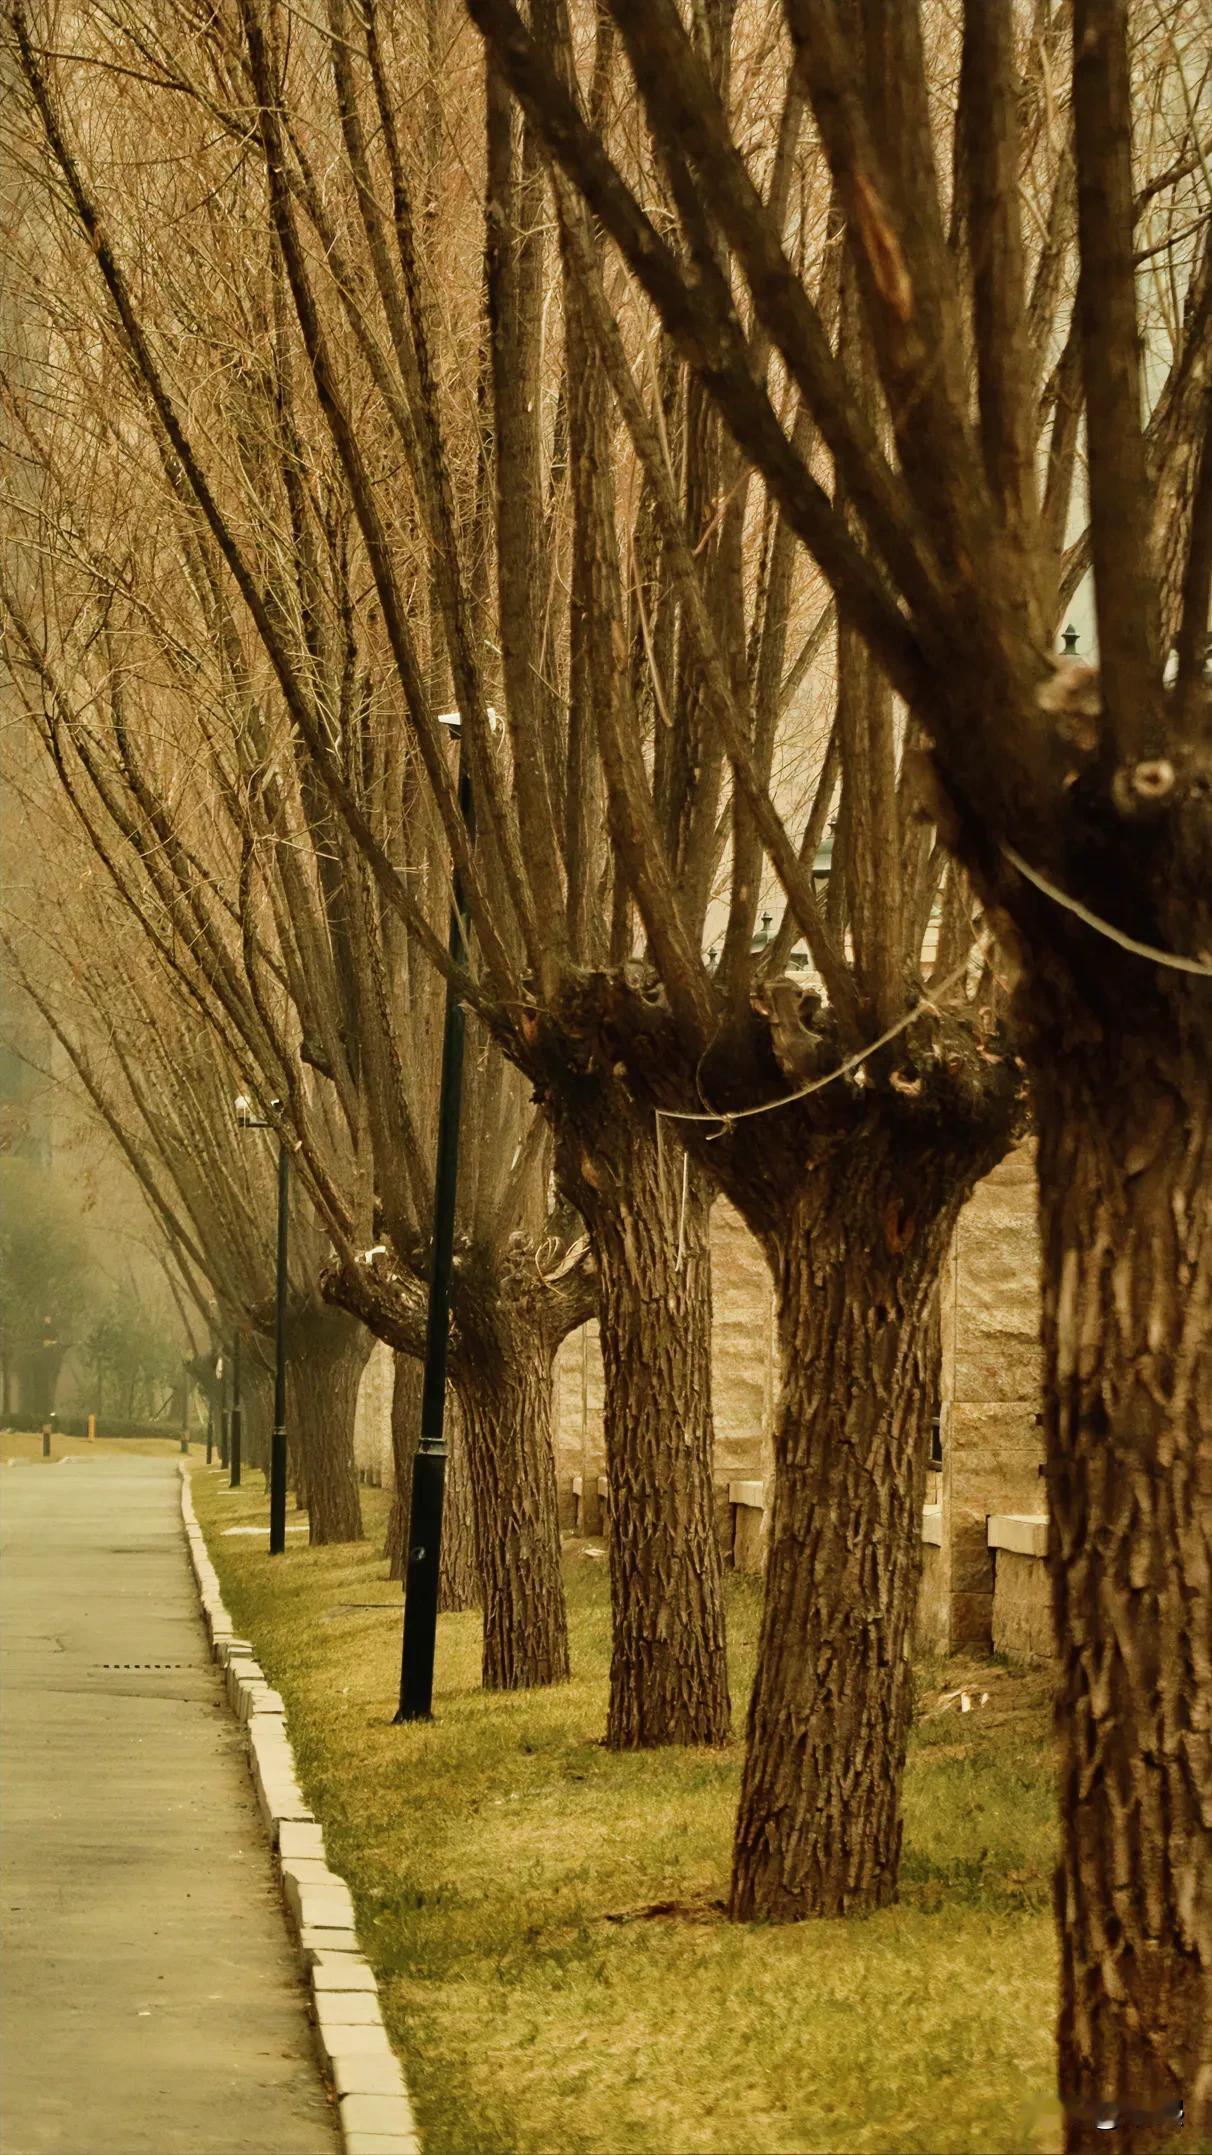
<point x="502" y="1863"/>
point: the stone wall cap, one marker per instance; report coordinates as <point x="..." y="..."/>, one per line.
<point x="1022" y="1533"/>
<point x="752" y="1493"/>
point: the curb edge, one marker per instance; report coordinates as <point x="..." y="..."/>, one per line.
<point x="373" y="2104"/>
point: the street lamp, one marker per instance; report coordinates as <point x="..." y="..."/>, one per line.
<point x="277" y="1443"/>
<point x="429" y="1465"/>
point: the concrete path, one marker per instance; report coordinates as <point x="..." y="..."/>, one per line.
<point x="148" y="1997"/>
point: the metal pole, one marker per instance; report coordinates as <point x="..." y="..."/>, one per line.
<point x="210" y="1431"/>
<point x="277" y="1446"/>
<point x="237" y="1414"/>
<point x="429" y="1466"/>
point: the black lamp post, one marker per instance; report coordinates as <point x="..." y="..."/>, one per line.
<point x="277" y="1443"/>
<point x="429" y="1466"/>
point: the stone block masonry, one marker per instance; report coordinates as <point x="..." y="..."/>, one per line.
<point x="373" y="2105"/>
<point x="991" y="1390"/>
<point x="1022" y="1611"/>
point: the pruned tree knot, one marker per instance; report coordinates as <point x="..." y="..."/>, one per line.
<point x="789" y="1011"/>
<point x="1153" y="779"/>
<point x="1073" y="696"/>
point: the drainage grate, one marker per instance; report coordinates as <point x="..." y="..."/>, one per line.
<point x="133" y="1668"/>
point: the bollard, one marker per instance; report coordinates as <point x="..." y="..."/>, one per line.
<point x="46" y="1440"/>
<point x="92" y="1429"/>
<point x="185" y="1440"/>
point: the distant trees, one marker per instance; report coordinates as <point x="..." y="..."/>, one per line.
<point x="134" y="1370"/>
<point x="45" y="1290"/>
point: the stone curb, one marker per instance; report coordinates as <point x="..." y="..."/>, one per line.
<point x="372" y="2098"/>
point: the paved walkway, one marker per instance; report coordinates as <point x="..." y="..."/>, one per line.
<point x="149" y="2000"/>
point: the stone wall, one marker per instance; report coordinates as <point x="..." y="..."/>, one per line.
<point x="991" y="1382"/>
<point x="1022" y="1612"/>
<point x="930" y="1627"/>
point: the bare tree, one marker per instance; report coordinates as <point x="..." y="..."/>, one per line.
<point x="1078" y="801"/>
<point x="368" y="326"/>
<point x="278" y="924"/>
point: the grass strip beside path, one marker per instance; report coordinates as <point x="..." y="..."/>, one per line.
<point x="504" y="1868"/>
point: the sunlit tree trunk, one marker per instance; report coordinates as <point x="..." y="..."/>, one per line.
<point x="458" y="1572"/>
<point x="648" y="1207"/>
<point x="857" y="1267"/>
<point x="505" y="1391"/>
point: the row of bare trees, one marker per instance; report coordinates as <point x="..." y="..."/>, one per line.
<point x="733" y="403"/>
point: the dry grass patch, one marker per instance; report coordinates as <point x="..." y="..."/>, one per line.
<point x="492" y="1854"/>
<point x="27" y="1444"/>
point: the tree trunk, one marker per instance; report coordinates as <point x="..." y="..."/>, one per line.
<point x="1125" y="1170"/>
<point x="257" y="1411"/>
<point x="650" y="1224"/>
<point x="857" y="1273"/>
<point x="322" y="1379"/>
<point x="458" y="1575"/>
<point x="506" y="1401"/>
<point x="405" y="1432"/>
<point x="458" y="1583"/>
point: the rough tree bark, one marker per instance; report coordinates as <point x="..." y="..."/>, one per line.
<point x="668" y="1666"/>
<point x="458" y="1585"/>
<point x="1124" y="1109"/>
<point x="458" y="1569"/>
<point x="856" y="1266"/>
<point x="505" y="1388"/>
<point x="328" y="1350"/>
